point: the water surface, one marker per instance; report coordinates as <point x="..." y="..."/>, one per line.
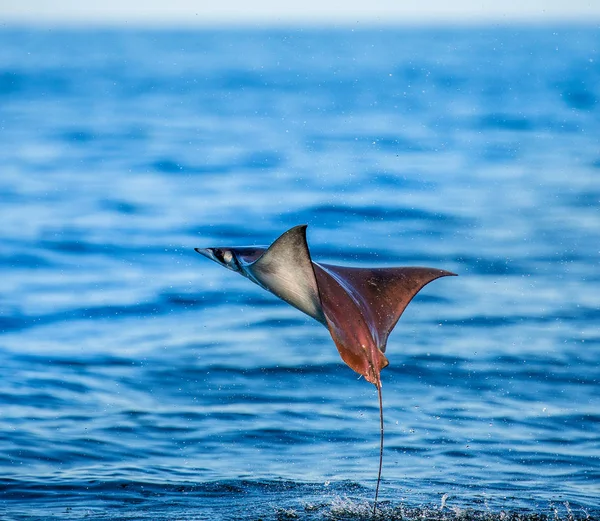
<point x="140" y="381"/>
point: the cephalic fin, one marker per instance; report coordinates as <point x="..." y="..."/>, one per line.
<point x="286" y="270"/>
<point x="382" y="294"/>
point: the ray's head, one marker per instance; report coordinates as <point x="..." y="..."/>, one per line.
<point x="223" y="256"/>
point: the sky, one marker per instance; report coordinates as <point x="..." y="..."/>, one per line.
<point x="206" y="12"/>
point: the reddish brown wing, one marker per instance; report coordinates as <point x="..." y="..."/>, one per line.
<point x="349" y="326"/>
<point x="382" y="294"/>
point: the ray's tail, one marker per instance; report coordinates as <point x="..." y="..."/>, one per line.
<point x="380" y="446"/>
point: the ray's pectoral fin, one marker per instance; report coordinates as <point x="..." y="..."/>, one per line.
<point x="382" y="294"/>
<point x="286" y="270"/>
<point x="391" y="290"/>
<point x="366" y="362"/>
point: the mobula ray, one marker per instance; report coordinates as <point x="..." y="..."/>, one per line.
<point x="359" y="306"/>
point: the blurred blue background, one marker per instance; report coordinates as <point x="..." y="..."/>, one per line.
<point x="141" y="381"/>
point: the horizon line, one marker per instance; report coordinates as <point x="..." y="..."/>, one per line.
<point x="299" y="23"/>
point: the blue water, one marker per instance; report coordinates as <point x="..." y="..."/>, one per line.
<point x="141" y="381"/>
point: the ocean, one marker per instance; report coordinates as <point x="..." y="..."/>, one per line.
<point x="141" y="381"/>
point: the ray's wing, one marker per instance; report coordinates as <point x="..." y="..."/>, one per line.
<point x="349" y="326"/>
<point x="382" y="294"/>
<point x="286" y="270"/>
